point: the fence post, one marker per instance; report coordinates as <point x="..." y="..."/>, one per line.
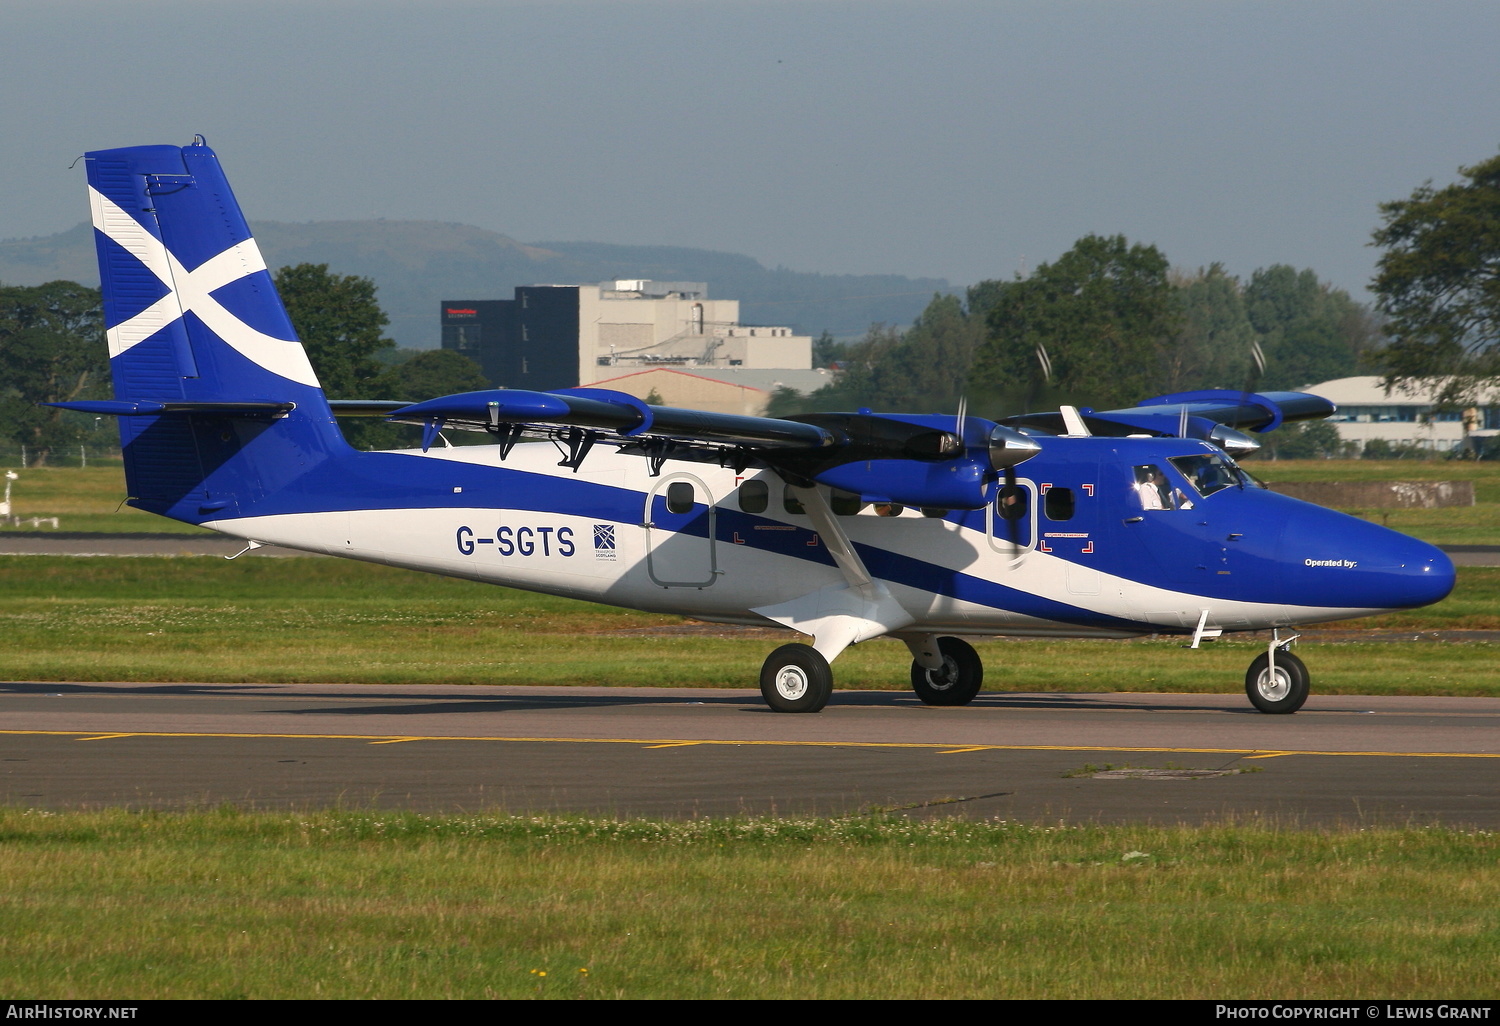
<point x="83" y="458"/>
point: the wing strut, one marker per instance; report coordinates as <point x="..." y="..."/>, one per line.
<point x="839" y="615"/>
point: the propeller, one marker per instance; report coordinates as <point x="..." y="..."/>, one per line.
<point x="1013" y="524"/>
<point x="1252" y="376"/>
<point x="1228" y="436"/>
<point x="1008" y="447"/>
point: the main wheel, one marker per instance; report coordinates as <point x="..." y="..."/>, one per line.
<point x="957" y="682"/>
<point x="1283" y="691"/>
<point x="796" y="679"/>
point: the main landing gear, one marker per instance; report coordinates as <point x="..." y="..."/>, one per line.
<point x="797" y="679"/>
<point x="956" y="682"/>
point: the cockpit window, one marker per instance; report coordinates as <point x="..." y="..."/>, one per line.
<point x="1208" y="473"/>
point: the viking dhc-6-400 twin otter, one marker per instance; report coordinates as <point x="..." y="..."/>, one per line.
<point x="844" y="527"/>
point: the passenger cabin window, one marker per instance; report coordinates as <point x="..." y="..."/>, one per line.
<point x="789" y="502"/>
<point x="1058" y="504"/>
<point x="1011" y="503"/>
<point x="679" y="497"/>
<point x="844" y="504"/>
<point x="755" y="496"/>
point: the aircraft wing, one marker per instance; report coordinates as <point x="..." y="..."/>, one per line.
<point x="929" y="461"/>
<point x="607" y="410"/>
<point x="1219" y="415"/>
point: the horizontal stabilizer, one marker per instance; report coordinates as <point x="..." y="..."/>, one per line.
<point x="366" y="407"/>
<point x="148" y="408"/>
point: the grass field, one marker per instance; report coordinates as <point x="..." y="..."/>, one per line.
<point x="1459" y="525"/>
<point x="223" y="904"/>
<point x="84" y="499"/>
<point x="325" y="620"/>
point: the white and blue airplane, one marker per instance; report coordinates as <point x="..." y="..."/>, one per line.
<point x="843" y="527"/>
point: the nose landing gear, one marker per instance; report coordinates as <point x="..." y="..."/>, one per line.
<point x="1277" y="681"/>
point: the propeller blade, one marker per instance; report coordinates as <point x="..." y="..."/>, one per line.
<point x="1013" y="527"/>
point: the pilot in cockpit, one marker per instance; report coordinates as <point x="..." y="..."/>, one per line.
<point x="1156" y="492"/>
<point x="1151" y="486"/>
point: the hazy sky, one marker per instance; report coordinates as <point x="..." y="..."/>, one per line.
<point x="959" y="139"/>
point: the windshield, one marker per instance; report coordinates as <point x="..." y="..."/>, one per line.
<point x="1210" y="473"/>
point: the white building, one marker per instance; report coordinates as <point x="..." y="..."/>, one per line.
<point x="1366" y="412"/>
<point x="562" y="336"/>
<point x="637" y="325"/>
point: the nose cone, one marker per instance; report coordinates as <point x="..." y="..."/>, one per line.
<point x="1343" y="562"/>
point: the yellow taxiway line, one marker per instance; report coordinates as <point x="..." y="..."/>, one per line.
<point x="941" y="748"/>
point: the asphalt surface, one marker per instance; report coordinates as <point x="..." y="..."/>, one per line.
<point x="627" y="751"/>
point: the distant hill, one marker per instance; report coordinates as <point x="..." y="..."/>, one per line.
<point x="418" y="264"/>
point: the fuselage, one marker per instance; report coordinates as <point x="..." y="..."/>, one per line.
<point x="1074" y="545"/>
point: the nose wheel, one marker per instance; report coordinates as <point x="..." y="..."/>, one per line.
<point x="1281" y="688"/>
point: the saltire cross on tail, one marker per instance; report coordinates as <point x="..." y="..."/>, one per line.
<point x="842" y="526"/>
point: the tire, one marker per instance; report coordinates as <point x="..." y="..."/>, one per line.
<point x="1283" y="695"/>
<point x="796" y="679"/>
<point x="957" y="682"/>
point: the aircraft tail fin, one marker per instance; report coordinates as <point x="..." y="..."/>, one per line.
<point x="216" y="398"/>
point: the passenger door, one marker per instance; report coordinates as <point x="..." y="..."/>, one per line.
<point x="679" y="524"/>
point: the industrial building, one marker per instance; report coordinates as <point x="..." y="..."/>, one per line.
<point x="1366" y="412"/>
<point x="620" y="334"/>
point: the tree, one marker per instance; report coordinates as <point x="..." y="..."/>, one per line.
<point x="1212" y="346"/>
<point x="52" y="349"/>
<point x="339" y="322"/>
<point x="920" y="370"/>
<point x="1309" y="440"/>
<point x="826" y="351"/>
<point x="429" y="374"/>
<point x="786" y="402"/>
<point x="1309" y="330"/>
<point x="1439" y="283"/>
<point x="1103" y="313"/>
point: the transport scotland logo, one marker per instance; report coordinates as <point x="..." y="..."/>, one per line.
<point x="604" y="541"/>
